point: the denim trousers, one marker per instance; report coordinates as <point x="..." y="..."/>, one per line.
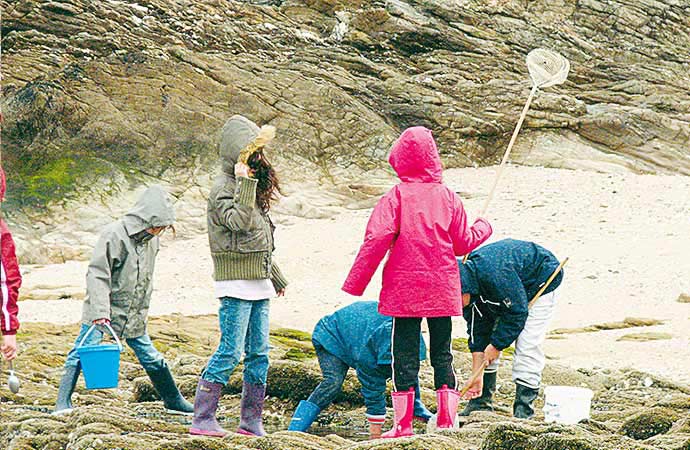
<point x="243" y="329"/>
<point x="334" y="370"/>
<point x="143" y="348"/>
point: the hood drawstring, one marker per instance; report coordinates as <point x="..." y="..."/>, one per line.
<point x="476" y="309"/>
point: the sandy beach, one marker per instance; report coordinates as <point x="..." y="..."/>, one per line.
<point x="626" y="236"/>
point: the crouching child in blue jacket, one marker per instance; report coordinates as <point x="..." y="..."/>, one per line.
<point x="498" y="282"/>
<point x="355" y="336"/>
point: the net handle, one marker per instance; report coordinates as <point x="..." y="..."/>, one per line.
<point x="553" y="80"/>
<point x="506" y="155"/>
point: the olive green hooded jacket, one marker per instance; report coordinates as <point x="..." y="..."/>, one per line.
<point x="240" y="234"/>
<point x="119" y="280"/>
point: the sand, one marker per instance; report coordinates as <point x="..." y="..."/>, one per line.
<point x="626" y="236"/>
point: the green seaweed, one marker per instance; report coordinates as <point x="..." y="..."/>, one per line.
<point x="58" y="179"/>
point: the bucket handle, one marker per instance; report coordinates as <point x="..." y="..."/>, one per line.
<point x="119" y="344"/>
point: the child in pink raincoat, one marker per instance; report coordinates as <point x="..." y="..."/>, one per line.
<point x="423" y="225"/>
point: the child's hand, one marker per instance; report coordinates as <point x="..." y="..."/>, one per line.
<point x="281" y="293"/>
<point x="9" y="346"/>
<point x="475" y="390"/>
<point x="242" y="170"/>
<point x="101" y="321"/>
<point x="491" y="354"/>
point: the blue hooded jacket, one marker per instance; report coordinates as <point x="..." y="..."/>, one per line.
<point x="502" y="278"/>
<point x="361" y="337"/>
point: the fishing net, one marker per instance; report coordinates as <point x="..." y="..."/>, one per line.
<point x="547" y="68"/>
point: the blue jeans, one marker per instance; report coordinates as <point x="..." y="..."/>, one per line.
<point x="334" y="371"/>
<point x="143" y="348"/>
<point x="243" y="328"/>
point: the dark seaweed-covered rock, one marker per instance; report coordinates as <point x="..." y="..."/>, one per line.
<point x="553" y="441"/>
<point x="508" y="436"/>
<point x="130" y="417"/>
<point x="649" y="423"/>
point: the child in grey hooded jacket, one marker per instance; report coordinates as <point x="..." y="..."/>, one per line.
<point x="119" y="283"/>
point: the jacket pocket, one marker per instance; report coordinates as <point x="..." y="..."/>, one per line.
<point x="255" y="240"/>
<point x="120" y="303"/>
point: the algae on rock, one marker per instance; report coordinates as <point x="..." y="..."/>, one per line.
<point x="625" y="404"/>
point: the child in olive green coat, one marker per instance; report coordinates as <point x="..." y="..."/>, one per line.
<point x="246" y="276"/>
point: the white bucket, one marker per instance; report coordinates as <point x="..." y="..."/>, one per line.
<point x="566" y="404"/>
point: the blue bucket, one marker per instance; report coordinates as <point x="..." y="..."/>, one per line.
<point x="100" y="363"/>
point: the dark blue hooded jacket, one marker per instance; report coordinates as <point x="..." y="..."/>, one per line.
<point x="361" y="337"/>
<point x="502" y="278"/>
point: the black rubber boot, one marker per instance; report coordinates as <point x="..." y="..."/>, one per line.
<point x="68" y="382"/>
<point x="524" y="398"/>
<point x="485" y="402"/>
<point x="165" y="386"/>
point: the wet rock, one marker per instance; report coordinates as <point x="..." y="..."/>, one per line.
<point x="298" y="441"/>
<point x="143" y="391"/>
<point x="680" y="441"/>
<point x="629" y="322"/>
<point x="645" y="337"/>
<point x="507" y="436"/>
<point x="530" y="436"/>
<point x="553" y="441"/>
<point x="624" y="405"/>
<point x="439" y="442"/>
<point x="293" y="381"/>
<point x="649" y="423"/>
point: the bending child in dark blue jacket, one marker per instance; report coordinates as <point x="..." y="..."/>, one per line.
<point x="355" y="336"/>
<point x="498" y="281"/>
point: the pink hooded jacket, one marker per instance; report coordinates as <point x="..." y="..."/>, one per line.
<point x="424" y="226"/>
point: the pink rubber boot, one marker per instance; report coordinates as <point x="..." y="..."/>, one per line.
<point x="447" y="401"/>
<point x="403" y="407"/>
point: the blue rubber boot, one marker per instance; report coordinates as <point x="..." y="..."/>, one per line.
<point x="304" y="416"/>
<point x="420" y="414"/>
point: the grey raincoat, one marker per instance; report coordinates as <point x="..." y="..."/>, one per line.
<point x="119" y="279"/>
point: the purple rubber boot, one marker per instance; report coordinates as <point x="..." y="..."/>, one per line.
<point x="251" y="407"/>
<point x="204" y="422"/>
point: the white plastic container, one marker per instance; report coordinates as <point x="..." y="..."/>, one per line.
<point x="566" y="404"/>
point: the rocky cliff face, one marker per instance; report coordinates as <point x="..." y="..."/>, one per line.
<point x="132" y="89"/>
<point x="100" y="96"/>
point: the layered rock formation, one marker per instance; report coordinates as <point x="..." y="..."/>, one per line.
<point x="103" y="92"/>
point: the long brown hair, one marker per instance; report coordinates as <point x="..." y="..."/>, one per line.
<point x="268" y="186"/>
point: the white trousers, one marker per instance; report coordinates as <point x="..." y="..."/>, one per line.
<point x="529" y="359"/>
